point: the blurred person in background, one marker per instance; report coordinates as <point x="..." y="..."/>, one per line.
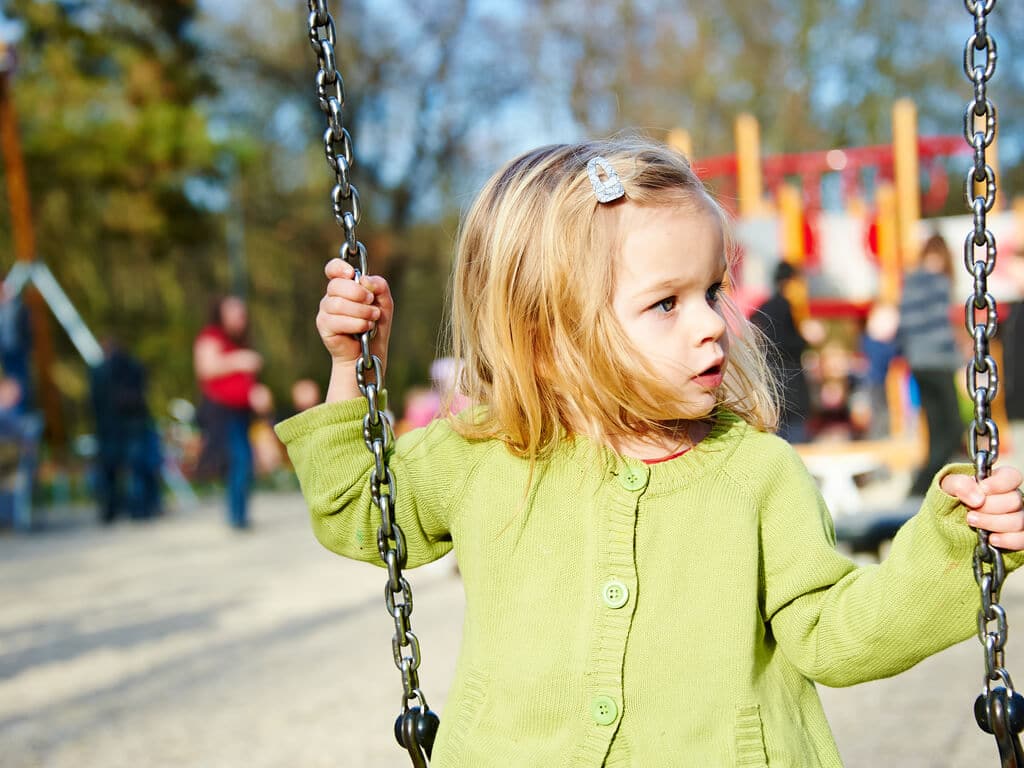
<point x="775" y="319"/>
<point x="1012" y="333"/>
<point x="879" y="348"/>
<point x="11" y="396"/>
<point x="268" y="452"/>
<point x="20" y="431"/>
<point x="424" y="404"/>
<point x="226" y="370"/>
<point x="926" y="340"/>
<point x="834" y="417"/>
<point x="16" y="345"/>
<point x="128" y="456"/>
<point x="305" y="395"/>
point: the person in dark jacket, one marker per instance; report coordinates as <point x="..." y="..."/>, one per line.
<point x="129" y="456"/>
<point x="775" y="319"/>
<point x="1012" y="333"/>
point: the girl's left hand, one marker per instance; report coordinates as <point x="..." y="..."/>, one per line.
<point x="993" y="505"/>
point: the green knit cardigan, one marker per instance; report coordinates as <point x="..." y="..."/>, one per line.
<point x="624" y="614"/>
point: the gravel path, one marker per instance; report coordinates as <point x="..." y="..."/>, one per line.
<point x="182" y="643"/>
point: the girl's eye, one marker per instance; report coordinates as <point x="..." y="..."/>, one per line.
<point x="666" y="305"/>
<point x="714" y="293"/>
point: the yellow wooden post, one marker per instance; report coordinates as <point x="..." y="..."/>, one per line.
<point x="748" y="166"/>
<point x="680" y="141"/>
<point x="890" y="281"/>
<point x="791" y="224"/>
<point x="895" y="386"/>
<point x="793" y="246"/>
<point x="889" y="266"/>
<point x="906" y="172"/>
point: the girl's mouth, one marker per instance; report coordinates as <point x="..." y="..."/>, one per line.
<point x="709" y="378"/>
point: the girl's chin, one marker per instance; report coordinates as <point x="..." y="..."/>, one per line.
<point x="696" y="410"/>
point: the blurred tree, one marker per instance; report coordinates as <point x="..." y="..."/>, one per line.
<point x="422" y="80"/>
<point x="150" y="126"/>
<point x="430" y="85"/>
<point x="815" y="75"/>
<point x="107" y="94"/>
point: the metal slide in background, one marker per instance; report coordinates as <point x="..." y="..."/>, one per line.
<point x="37" y="273"/>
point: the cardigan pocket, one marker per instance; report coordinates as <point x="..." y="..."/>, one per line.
<point x="467" y="712"/>
<point x="750" y="752"/>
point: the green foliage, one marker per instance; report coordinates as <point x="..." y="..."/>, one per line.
<point x="110" y="129"/>
<point x="124" y="105"/>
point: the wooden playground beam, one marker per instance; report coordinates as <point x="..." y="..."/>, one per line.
<point x="748" y="166"/>
<point x="817" y="162"/>
<point x="906" y="173"/>
<point x="25" y="250"/>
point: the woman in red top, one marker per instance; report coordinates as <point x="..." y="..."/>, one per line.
<point x="226" y="371"/>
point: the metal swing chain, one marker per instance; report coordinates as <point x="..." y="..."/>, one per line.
<point x="416" y="726"/>
<point x="999" y="710"/>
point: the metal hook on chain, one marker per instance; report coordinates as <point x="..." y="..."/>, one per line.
<point x="1001" y="713"/>
<point x="415" y="731"/>
<point x="416" y="728"/>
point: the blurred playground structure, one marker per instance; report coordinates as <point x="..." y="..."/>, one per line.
<point x="853" y="220"/>
<point x="31" y="279"/>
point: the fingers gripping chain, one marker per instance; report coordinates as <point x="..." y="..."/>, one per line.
<point x="416" y="725"/>
<point x="999" y="709"/>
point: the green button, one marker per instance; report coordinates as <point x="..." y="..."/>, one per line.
<point x="615" y="594"/>
<point x="633" y="478"/>
<point x="604" y="710"/>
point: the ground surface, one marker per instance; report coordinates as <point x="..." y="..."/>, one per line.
<point x="181" y="643"/>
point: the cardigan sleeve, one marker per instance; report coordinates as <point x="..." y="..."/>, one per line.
<point x="840" y="624"/>
<point x="325" y="445"/>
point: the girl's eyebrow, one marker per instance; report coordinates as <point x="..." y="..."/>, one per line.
<point x="675" y="282"/>
<point x="668" y="284"/>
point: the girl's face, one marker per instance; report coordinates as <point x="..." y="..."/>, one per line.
<point x="668" y="279"/>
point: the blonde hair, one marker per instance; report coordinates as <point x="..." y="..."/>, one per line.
<point x="532" y="289"/>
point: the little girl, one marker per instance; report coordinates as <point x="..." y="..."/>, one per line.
<point x="650" y="574"/>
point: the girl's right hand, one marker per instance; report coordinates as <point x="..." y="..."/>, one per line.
<point x="349" y="308"/>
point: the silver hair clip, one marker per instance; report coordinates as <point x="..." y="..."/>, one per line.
<point x="608" y="188"/>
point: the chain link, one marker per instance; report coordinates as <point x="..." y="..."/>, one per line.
<point x="377" y="433"/>
<point x="981" y="320"/>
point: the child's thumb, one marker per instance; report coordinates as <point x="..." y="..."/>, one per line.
<point x="965" y="488"/>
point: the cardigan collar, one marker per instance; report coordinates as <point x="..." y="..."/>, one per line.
<point x="669" y="476"/>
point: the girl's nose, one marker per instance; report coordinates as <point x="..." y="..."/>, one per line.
<point x="711" y="327"/>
